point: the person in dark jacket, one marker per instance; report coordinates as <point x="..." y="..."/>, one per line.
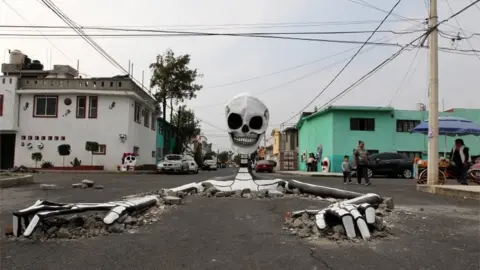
<point x="461" y="160"/>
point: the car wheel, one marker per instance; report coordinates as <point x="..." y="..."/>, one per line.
<point x="369" y="173"/>
<point x="407" y="174"/>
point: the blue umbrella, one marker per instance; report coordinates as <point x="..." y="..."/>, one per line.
<point x="450" y="126"/>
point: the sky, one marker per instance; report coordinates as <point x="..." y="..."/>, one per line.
<point x="285" y="74"/>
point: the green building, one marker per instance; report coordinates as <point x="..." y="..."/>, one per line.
<point x="167" y="131"/>
<point x="383" y="129"/>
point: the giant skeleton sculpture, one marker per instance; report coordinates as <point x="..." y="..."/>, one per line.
<point x="247" y="118"/>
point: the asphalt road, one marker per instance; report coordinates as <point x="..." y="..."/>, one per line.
<point x="431" y="232"/>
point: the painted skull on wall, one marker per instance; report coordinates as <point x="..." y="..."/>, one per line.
<point x="247" y="119"/>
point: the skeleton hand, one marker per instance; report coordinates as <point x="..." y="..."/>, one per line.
<point x="352" y="217"/>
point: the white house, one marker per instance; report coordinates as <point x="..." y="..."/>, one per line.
<point x="40" y="110"/>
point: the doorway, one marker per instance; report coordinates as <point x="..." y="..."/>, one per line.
<point x="7" y="151"/>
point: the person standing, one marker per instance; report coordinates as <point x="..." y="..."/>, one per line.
<point x="461" y="159"/>
<point x="347" y="170"/>
<point x="362" y="162"/>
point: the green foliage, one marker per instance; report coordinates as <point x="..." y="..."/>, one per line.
<point x="76" y="162"/>
<point x="47" y="164"/>
<point x="237" y="159"/>
<point x="197" y="155"/>
<point x="173" y="79"/>
<point x="37" y="157"/>
<point x="91" y="146"/>
<point x="188" y="127"/>
<point x="223" y="156"/>
<point x="64" y="149"/>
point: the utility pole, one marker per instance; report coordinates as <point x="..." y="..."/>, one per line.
<point x="179" y="130"/>
<point x="432" y="172"/>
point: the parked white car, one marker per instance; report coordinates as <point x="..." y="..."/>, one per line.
<point x="192" y="165"/>
<point x="173" y="163"/>
<point x="210" y="165"/>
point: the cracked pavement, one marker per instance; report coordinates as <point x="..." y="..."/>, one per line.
<point x="227" y="233"/>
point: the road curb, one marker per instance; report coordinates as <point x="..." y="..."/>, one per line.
<point x="452" y="191"/>
<point x="97" y="172"/>
<point x="309" y="175"/>
<point x="15" y="181"/>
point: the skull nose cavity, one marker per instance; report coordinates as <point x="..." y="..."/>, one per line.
<point x="245" y="129"/>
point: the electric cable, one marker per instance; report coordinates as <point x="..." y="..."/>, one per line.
<point x="363" y="78"/>
<point x="459" y="26"/>
<point x="347" y="64"/>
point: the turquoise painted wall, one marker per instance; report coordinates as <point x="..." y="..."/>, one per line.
<point x="333" y="131"/>
<point x="345" y="140"/>
<point x="313" y="132"/>
<point x="165" y="130"/>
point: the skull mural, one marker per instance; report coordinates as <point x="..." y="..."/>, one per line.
<point x="247" y="119"/>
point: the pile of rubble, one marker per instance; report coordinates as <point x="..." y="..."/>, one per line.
<point x="87" y="184"/>
<point x="304" y="225"/>
<point x="91" y="224"/>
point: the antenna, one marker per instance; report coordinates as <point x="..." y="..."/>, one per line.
<point x="128" y="67"/>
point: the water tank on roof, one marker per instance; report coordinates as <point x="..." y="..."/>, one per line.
<point x="420" y="107"/>
<point x="16" y="57"/>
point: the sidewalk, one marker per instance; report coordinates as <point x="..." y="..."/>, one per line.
<point x="459" y="191"/>
<point x="312" y="174"/>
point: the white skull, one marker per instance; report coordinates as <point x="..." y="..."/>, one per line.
<point x="130" y="160"/>
<point x="247" y="119"/>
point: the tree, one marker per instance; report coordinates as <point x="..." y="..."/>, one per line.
<point x="223" y="156"/>
<point x="237" y="159"/>
<point x="173" y="79"/>
<point x="64" y="150"/>
<point x="37" y="157"/>
<point x="91" y="147"/>
<point x="198" y="155"/>
<point x="188" y="127"/>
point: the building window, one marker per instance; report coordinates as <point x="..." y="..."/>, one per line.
<point x="152" y="124"/>
<point x="363" y="124"/>
<point x="81" y="106"/>
<point x="410" y="155"/>
<point x="1" y="105"/>
<point x="45" y="106"/>
<point x="146" y="118"/>
<point x="102" y="150"/>
<point x="137" y="113"/>
<point x="406" y="125"/>
<point x="92" y="107"/>
<point x="136" y="150"/>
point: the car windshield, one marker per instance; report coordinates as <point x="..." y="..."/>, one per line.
<point x="210" y="161"/>
<point x="263" y="162"/>
<point x="173" y="157"/>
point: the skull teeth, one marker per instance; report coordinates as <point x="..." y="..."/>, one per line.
<point x="244" y="140"/>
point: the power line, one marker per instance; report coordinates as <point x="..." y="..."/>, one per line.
<point x="402" y="18"/>
<point x="400" y="87"/>
<point x="459" y="26"/>
<point x="385" y="62"/>
<point x="31" y="25"/>
<point x="346" y="65"/>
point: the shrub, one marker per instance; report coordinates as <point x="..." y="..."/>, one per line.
<point x="76" y="162"/>
<point x="37" y="157"/>
<point x="47" y="164"/>
<point x="64" y="150"/>
<point x="91" y="147"/>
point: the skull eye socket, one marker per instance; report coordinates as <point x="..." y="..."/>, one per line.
<point x="234" y="121"/>
<point x="256" y="122"/>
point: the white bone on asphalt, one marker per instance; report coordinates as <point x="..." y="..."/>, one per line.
<point x="247" y="119"/>
<point x="320" y="220"/>
<point x="363" y="228"/>
<point x="369" y="213"/>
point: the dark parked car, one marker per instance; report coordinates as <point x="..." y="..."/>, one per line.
<point x="264" y="166"/>
<point x="390" y="164"/>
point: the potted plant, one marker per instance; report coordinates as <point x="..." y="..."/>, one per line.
<point x="91" y="147"/>
<point x="64" y="150"/>
<point x="37" y="157"/>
